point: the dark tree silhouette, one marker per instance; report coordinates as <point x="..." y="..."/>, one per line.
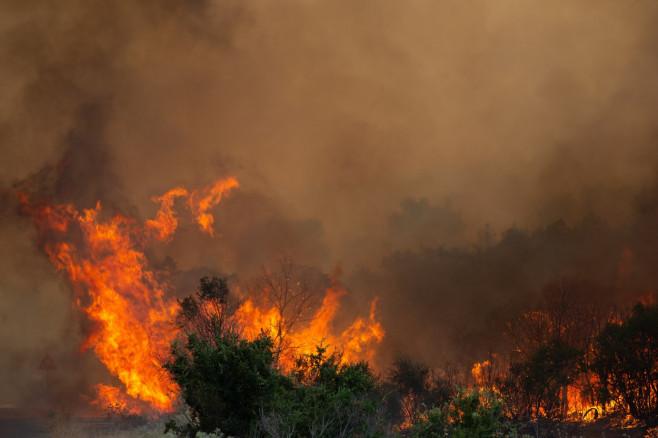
<point x="537" y="386"/>
<point x="627" y="363"/>
<point x="416" y="387"/>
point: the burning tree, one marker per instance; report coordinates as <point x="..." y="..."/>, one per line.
<point x="354" y="343"/>
<point x="210" y="312"/>
<point x="538" y="386"/>
<point x="290" y="292"/>
<point x="552" y="350"/>
<point x="416" y="388"/>
<point x="627" y="363"/>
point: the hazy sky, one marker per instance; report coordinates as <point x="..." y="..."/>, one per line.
<point x="338" y="110"/>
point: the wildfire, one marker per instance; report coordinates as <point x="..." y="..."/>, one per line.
<point x="578" y="403"/>
<point x="479" y="372"/>
<point x="116" y="289"/>
<point x="354" y="343"/>
<point x="580" y="406"/>
<point x="126" y="300"/>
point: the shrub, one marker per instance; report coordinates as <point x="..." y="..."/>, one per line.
<point x="469" y="414"/>
<point x="225" y="382"/>
<point x="328" y="400"/>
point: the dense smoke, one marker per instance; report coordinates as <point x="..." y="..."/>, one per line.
<point x="453" y="157"/>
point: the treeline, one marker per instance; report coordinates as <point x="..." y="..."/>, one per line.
<point x="575" y="352"/>
<point x="234" y="386"/>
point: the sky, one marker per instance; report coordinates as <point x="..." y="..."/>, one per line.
<point x="399" y="140"/>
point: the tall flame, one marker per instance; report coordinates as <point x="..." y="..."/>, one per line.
<point x="355" y="343"/>
<point x="125" y="299"/>
<point x="116" y="289"/>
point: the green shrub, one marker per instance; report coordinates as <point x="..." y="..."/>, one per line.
<point x="328" y="400"/>
<point x="225" y="382"/>
<point x="469" y="414"/>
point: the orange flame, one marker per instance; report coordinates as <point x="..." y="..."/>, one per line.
<point x="479" y="371"/>
<point x="578" y="403"/>
<point x="106" y="264"/>
<point x="209" y="196"/>
<point x="122" y="295"/>
<point x="355" y="343"/>
<point x="199" y="202"/>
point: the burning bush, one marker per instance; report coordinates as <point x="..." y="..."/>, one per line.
<point x="232" y="384"/>
<point x="538" y="386"/>
<point x="413" y="388"/>
<point x="328" y="399"/>
<point x="469" y="414"/>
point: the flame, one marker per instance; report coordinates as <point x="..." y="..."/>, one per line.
<point x="202" y="201"/>
<point x="649" y="299"/>
<point x="355" y="343"/>
<point x="199" y="202"/>
<point x="124" y="298"/>
<point x="113" y="398"/>
<point x="479" y="371"/>
<point x="579" y="404"/>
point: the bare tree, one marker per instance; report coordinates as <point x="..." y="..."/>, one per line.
<point x="276" y="425"/>
<point x="293" y="291"/>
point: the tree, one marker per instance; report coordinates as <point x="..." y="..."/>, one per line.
<point x="210" y="312"/>
<point x="537" y="386"/>
<point x="570" y="309"/>
<point x="627" y="363"/>
<point x="225" y="382"/>
<point x="223" y="379"/>
<point x="415" y="388"/>
<point x="290" y="289"/>
<point x="569" y="314"/>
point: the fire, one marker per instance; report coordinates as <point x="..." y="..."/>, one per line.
<point x="199" y="202"/>
<point x="124" y="298"/>
<point x="577" y="396"/>
<point x="479" y="372"/>
<point x="580" y="406"/>
<point x="354" y="343"/>
<point x="202" y="201"/>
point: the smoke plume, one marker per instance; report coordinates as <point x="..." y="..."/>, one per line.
<point x="452" y="157"/>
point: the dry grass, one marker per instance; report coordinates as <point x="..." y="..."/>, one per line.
<point x="63" y="426"/>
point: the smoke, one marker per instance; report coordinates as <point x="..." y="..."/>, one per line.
<point x="430" y="147"/>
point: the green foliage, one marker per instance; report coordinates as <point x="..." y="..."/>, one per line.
<point x="537" y="386"/>
<point x="626" y="361"/>
<point x="224" y="382"/>
<point x="210" y="312"/>
<point x="232" y="386"/>
<point x="469" y="414"/>
<point x="328" y="400"/>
